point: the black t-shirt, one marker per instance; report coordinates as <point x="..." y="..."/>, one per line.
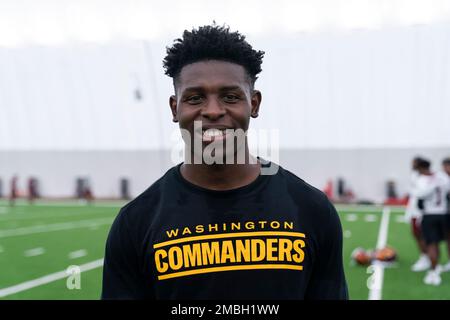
<point x="276" y="238"/>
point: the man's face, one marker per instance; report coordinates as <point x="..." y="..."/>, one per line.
<point x="218" y="94"/>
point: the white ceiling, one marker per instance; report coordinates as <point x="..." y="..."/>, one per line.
<point x="57" y="22"/>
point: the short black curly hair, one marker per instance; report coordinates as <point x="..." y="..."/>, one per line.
<point x="212" y="42"/>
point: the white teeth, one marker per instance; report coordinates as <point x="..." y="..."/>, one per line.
<point x="213" y="133"/>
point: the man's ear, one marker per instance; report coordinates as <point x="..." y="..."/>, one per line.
<point x="256" y="102"/>
<point x="173" y="107"/>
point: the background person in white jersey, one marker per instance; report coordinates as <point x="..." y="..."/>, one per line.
<point x="414" y="215"/>
<point x="446" y="168"/>
<point x="432" y="189"/>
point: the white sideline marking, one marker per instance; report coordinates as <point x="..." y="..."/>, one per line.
<point x="54" y="227"/>
<point x="370" y="218"/>
<point x="384" y="225"/>
<point x="351" y="217"/>
<point x="400" y="219"/>
<point x="347" y="234"/>
<point x="34" y="252"/>
<point x="77" y="254"/>
<point x="378" y="268"/>
<point x="47" y="279"/>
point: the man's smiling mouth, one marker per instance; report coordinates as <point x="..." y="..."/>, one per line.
<point x="213" y="133"/>
<point x="210" y="134"/>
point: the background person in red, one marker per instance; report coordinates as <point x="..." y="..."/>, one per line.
<point x="13" y="190"/>
<point x="32" y="190"/>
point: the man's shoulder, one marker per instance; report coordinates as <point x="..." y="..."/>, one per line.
<point x="149" y="198"/>
<point x="313" y="203"/>
<point x="300" y="189"/>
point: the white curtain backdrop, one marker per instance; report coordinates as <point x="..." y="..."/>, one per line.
<point x="349" y="89"/>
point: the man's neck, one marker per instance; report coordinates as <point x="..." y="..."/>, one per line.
<point x="221" y="176"/>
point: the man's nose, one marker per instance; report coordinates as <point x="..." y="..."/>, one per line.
<point x="213" y="110"/>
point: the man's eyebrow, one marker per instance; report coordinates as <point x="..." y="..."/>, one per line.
<point x="188" y="89"/>
<point x="222" y="89"/>
<point x="228" y="88"/>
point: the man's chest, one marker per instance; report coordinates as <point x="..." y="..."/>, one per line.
<point x="234" y="245"/>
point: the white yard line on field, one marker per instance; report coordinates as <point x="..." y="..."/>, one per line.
<point x="34" y="252"/>
<point x="401" y="219"/>
<point x="77" y="254"/>
<point x="384" y="226"/>
<point x="351" y="217"/>
<point x="54" y="227"/>
<point x="376" y="285"/>
<point x="47" y="279"/>
<point x="370" y="218"/>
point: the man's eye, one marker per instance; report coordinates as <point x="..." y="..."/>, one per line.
<point x="231" y="98"/>
<point x="194" y="99"/>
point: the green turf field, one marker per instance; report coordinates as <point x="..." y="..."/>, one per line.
<point x="38" y="243"/>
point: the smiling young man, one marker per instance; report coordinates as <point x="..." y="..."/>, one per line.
<point x="223" y="224"/>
